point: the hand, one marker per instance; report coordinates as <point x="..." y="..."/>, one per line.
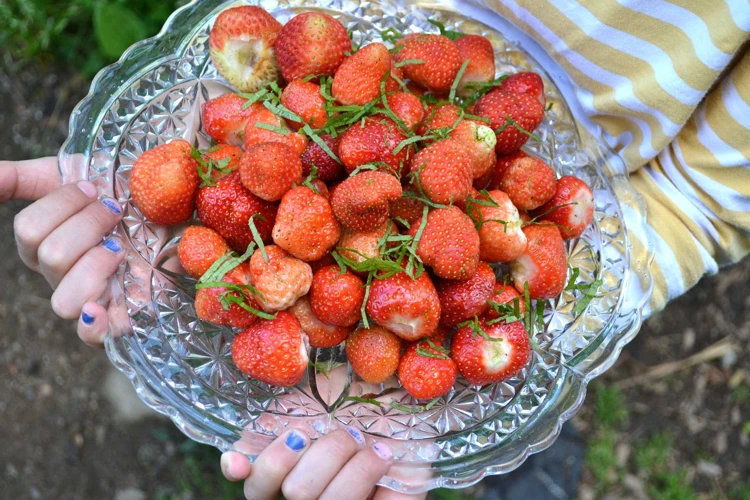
<point x="337" y="466"/>
<point x="60" y="236"/>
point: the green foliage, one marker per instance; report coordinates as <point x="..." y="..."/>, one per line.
<point x="740" y="394"/>
<point x="671" y="486"/>
<point x="50" y="31"/>
<point x="741" y="492"/>
<point x="445" y="494"/>
<point x="610" y="409"/>
<point x="600" y="457"/>
<point x="652" y="455"/>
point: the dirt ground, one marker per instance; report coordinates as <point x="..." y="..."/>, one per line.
<point x="64" y="437"/>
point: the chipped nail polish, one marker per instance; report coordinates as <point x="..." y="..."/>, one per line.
<point x="358" y="437"/>
<point x="112" y="245"/>
<point x="383" y="451"/>
<point x="295" y="441"/>
<point x="112" y="205"/>
<point x="87" y="319"/>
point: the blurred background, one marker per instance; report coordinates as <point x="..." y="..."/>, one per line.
<point x="671" y="420"/>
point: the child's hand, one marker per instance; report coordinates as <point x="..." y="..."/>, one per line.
<point x="60" y="236"/>
<point x="337" y="466"/>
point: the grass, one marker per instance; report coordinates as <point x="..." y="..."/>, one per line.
<point x="740" y="394"/>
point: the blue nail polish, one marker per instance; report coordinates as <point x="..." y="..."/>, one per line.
<point x="111" y="205"/>
<point x="295" y="441"/>
<point x="86" y="318"/>
<point x="112" y="245"/>
<point x="358" y="437"/>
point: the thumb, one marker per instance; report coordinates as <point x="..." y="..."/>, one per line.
<point x="29" y="179"/>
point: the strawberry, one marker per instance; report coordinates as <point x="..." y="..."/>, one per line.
<point x="281" y="280"/>
<point x="374" y="142"/>
<point x="481" y="67"/>
<point x="304" y="99"/>
<point x="408" y="307"/>
<point x="272" y="351"/>
<point x="525" y="82"/>
<point x="305" y="225"/>
<point x="529" y="183"/>
<point x="501" y="165"/>
<point x="441" y="336"/>
<point x="482" y="361"/>
<point x="439" y="116"/>
<point x="462" y="300"/>
<point x="255" y="134"/>
<point x="544" y="264"/>
<point x="574" y="218"/>
<point x="373" y="353"/>
<point x="329" y="170"/>
<point x="335" y="297"/>
<point x="483" y="181"/>
<point x="225" y="157"/>
<point x="407" y="107"/>
<point x="407" y="209"/>
<point x="224" y="118"/>
<point x="505" y="294"/>
<point x="199" y="248"/>
<point x="270" y="169"/>
<point x="479" y="141"/>
<point x="320" y="187"/>
<point x="426" y="377"/>
<point x="440" y="56"/>
<point x="311" y="43"/>
<point x="209" y="306"/>
<point x="361" y="202"/>
<point x="227" y="207"/>
<point x="443" y="171"/>
<point x="326" y="260"/>
<point x="449" y="244"/>
<point x="318" y="333"/>
<point x="164" y="181"/>
<point x="501" y="238"/>
<point x="241" y="47"/>
<point x="360" y="245"/>
<point x="357" y="81"/>
<point x="510" y="113"/>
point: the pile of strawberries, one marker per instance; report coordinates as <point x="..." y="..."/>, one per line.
<point x="360" y="194"/>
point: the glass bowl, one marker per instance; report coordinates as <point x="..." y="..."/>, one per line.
<point x="182" y="367"/>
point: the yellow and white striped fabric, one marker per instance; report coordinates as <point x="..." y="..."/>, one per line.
<point x="667" y="84"/>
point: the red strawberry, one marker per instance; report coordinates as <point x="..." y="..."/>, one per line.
<point x="272" y="351"/>
<point x="408" y="209"/>
<point x="329" y="170"/>
<point x="241" y="46"/>
<point x="281" y="280"/>
<point x="304" y="99"/>
<point x="305" y="225"/>
<point x="312" y="43"/>
<point x="483" y="361"/>
<point x="361" y="245"/>
<point x="199" y="248"/>
<point x="408" y="307"/>
<point x="326" y="260"/>
<point x="525" y="83"/>
<point x="462" y="300"/>
<point x="439" y="116"/>
<point x="225" y="157"/>
<point x="479" y="141"/>
<point x="441" y="57"/>
<point x="443" y="171"/>
<point x="483" y="182"/>
<point x="224" y="119"/>
<point x="407" y="107"/>
<point x="441" y="336"/>
<point x="208" y="305"/>
<point x="361" y="202"/>
<point x="501" y="238"/>
<point x="426" y="377"/>
<point x="508" y="112"/>
<point x="336" y="298"/>
<point x="319" y="334"/>
<point x="574" y="218"/>
<point x="481" y="68"/>
<point x="357" y="81"/>
<point x="164" y="181"/>
<point x="374" y="353"/>
<point x="255" y="134"/>
<point x="449" y="244"/>
<point x="544" y="264"/>
<point x="502" y="164"/>
<point x="505" y="293"/>
<point x="270" y="169"/>
<point x="374" y="142"/>
<point x="227" y="207"/>
<point x="319" y="187"/>
<point x="529" y="182"/>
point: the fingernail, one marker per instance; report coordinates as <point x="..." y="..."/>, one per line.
<point x="88" y="188"/>
<point x="112" y="245"/>
<point x="112" y="205"/>
<point x="358" y="437"/>
<point x="225" y="466"/>
<point x="86" y="318"/>
<point x="383" y="451"/>
<point x="295" y="441"/>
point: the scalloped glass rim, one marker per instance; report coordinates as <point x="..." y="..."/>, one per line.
<point x="538" y="432"/>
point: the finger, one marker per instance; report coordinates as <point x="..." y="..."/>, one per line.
<point x="88" y="279"/>
<point x="235" y="466"/>
<point x="28" y="180"/>
<point x="65" y="245"/>
<point x="35" y="222"/>
<point x="93" y="324"/>
<point x="386" y="494"/>
<point x="360" y="474"/>
<point x="273" y="465"/>
<point x="321" y="463"/>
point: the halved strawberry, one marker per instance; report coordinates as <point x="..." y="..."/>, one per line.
<point x="426" y="376"/>
<point x="199" y="248"/>
<point x="373" y="353"/>
<point x="319" y="334"/>
<point x="571" y="208"/>
<point x="544" y="264"/>
<point x="462" y="300"/>
<point x="224" y="118"/>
